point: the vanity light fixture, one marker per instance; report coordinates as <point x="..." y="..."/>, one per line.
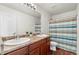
<point x="32" y="6"/>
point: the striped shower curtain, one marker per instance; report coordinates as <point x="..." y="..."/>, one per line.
<point x="64" y="32"/>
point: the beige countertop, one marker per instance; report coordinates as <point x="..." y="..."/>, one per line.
<point x="14" y="47"/>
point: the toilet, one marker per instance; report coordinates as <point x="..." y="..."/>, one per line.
<point x="53" y="46"/>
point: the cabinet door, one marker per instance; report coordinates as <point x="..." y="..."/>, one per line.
<point x="44" y="49"/>
<point x="34" y="45"/>
<point x="48" y="48"/>
<point x="34" y="48"/>
<point x="36" y="51"/>
<point x="21" y="51"/>
<point x="45" y="46"/>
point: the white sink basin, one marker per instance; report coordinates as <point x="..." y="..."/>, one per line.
<point x="42" y="35"/>
<point x="17" y="41"/>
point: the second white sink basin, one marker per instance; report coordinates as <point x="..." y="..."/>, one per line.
<point x="16" y="41"/>
<point x="42" y="35"/>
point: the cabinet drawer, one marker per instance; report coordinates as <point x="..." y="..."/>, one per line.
<point x="21" y="51"/>
<point x="34" y="45"/>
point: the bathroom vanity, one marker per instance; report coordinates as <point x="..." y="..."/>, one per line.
<point x="36" y="46"/>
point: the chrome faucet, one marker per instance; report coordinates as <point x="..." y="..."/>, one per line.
<point x="16" y="35"/>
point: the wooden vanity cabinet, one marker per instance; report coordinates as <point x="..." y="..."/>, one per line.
<point x="45" y="47"/>
<point x="20" y="51"/>
<point x="41" y="47"/>
<point x="34" y="48"/>
<point x="48" y="47"/>
<point x="36" y="51"/>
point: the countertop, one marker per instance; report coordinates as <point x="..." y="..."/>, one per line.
<point x="14" y="47"/>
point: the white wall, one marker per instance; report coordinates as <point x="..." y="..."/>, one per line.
<point x="45" y="16"/>
<point x="38" y="21"/>
<point x="45" y="23"/>
<point x="78" y="29"/>
<point x="8" y="19"/>
<point x="65" y="15"/>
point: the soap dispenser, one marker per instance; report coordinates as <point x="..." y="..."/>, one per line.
<point x="30" y="33"/>
<point x="27" y="34"/>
